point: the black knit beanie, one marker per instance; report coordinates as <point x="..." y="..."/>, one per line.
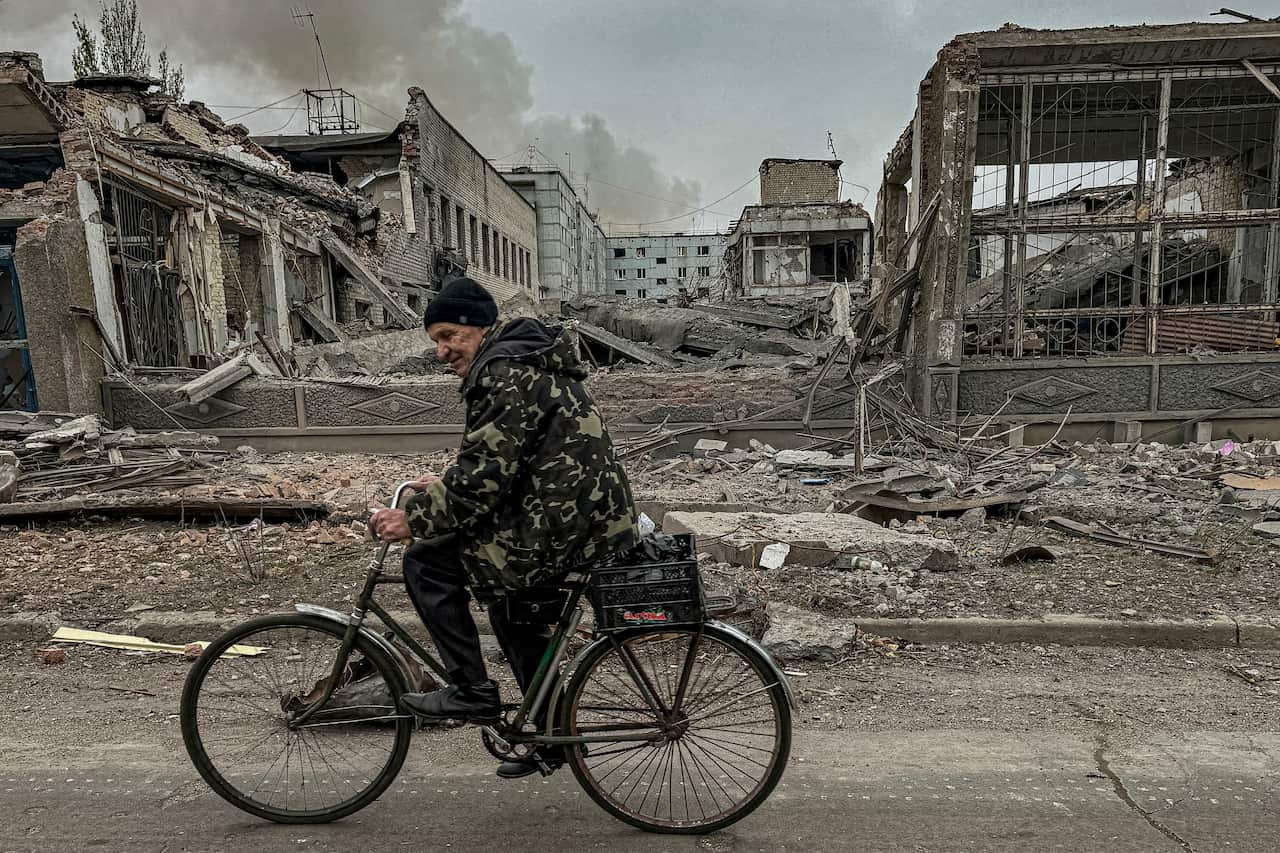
<point x="464" y="302"/>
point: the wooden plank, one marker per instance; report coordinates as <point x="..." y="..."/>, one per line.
<point x="622" y="346"/>
<point x="322" y="325"/>
<point x="397" y="312"/>
<point x="167" y="507"/>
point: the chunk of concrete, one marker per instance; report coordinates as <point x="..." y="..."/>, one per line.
<point x="1269" y="529"/>
<point x="816" y="539"/>
<point x="795" y="634"/>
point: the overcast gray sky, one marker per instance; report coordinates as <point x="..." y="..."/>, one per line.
<point x="669" y="104"/>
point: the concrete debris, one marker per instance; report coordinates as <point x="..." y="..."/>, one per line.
<point x="815" y="539"/>
<point x="795" y="634"/>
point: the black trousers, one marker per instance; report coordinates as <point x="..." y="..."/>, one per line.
<point x="437" y="585"/>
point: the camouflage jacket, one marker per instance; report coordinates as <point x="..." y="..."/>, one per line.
<point x="536" y="489"/>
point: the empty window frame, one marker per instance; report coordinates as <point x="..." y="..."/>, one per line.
<point x="642" y="293"/>
<point x="704" y="250"/>
<point x="475" y="248"/>
<point x="619" y="253"/>
<point x="642" y="273"/>
<point x="704" y="271"/>
<point x="834" y="261"/>
<point x="639" y="251"/>
<point x="619" y="274"/>
<point x="682" y="251"/>
<point x="660" y="260"/>
<point x="682" y="272"/>
<point x="459" y="221"/>
<point x="620" y="292"/>
<point x="484" y="244"/>
<point x="445" y="236"/>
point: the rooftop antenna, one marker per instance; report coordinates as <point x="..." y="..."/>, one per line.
<point x="331" y="110"/>
<point x="831" y="146"/>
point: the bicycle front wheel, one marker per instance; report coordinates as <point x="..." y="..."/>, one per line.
<point x="703" y="727"/>
<point x="240" y="720"/>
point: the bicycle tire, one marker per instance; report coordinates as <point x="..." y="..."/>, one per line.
<point x="753" y="662"/>
<point x="207" y="767"/>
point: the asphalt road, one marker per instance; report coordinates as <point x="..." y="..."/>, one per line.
<point x="918" y="791"/>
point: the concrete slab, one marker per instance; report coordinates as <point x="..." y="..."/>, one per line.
<point x="816" y="539"/>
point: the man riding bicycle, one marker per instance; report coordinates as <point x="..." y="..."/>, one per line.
<point x="535" y="492"/>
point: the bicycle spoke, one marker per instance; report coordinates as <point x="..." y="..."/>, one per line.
<point x="242" y="716"/>
<point x="717" y="753"/>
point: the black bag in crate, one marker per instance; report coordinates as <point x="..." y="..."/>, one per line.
<point x="655" y="582"/>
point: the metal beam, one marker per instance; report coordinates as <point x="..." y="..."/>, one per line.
<point x="1262" y="78"/>
<point x="1156" y="254"/>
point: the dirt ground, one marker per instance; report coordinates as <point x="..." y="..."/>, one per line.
<point x="93" y="571"/>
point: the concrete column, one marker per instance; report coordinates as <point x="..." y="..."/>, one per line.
<point x="275" y="298"/>
<point x="211" y="261"/>
<point x="66" y="350"/>
<point x="99" y="259"/>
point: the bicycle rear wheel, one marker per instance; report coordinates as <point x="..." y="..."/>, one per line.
<point x="715" y="747"/>
<point x="239" y="714"/>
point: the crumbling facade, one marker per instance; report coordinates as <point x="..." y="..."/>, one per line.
<point x="664" y="266"/>
<point x="801" y="238"/>
<point x="139" y="234"/>
<point x="570" y="242"/>
<point x="1087" y="221"/>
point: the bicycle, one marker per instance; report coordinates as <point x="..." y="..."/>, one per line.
<point x="669" y="721"/>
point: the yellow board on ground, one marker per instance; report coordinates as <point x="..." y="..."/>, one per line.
<point x="140" y="644"/>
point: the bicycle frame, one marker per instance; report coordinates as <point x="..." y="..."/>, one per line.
<point x="543" y="692"/>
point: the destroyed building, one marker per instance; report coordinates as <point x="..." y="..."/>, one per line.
<point x="1086" y="221"/>
<point x="664" y="266"/>
<point x="462" y="218"/>
<point x="801" y="238"/>
<point x="571" y="243"/>
<point x="142" y="235"/>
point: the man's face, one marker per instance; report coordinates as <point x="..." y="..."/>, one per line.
<point x="456" y="345"/>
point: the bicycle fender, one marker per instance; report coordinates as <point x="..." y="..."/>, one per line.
<point x="774" y="666"/>
<point x="365" y="631"/>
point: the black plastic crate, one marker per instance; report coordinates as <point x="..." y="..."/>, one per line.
<point x="628" y="593"/>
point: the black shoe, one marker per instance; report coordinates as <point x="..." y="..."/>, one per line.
<point x="551" y="758"/>
<point x="475" y="703"/>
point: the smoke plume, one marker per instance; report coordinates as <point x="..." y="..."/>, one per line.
<point x="242" y="52"/>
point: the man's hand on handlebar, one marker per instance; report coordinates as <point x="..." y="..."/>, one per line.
<point x="390" y="525"/>
<point x="420" y="484"/>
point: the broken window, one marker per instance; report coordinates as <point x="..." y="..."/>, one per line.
<point x="363" y="310"/>
<point x="146" y="285"/>
<point x="758" y="273"/>
<point x="660" y="261"/>
<point x="704" y="250"/>
<point x="484" y="243"/>
<point x="459" y="219"/>
<point x="639" y="251"/>
<point x="834" y="261"/>
<point x="444" y="220"/>
<point x="17" y="382"/>
<point x="662" y="282"/>
<point x="475" y="259"/>
<point x="619" y="253"/>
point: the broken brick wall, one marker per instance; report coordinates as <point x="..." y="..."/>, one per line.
<point x="799" y="181"/>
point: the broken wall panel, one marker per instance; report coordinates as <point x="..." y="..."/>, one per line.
<point x="1115" y="211"/>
